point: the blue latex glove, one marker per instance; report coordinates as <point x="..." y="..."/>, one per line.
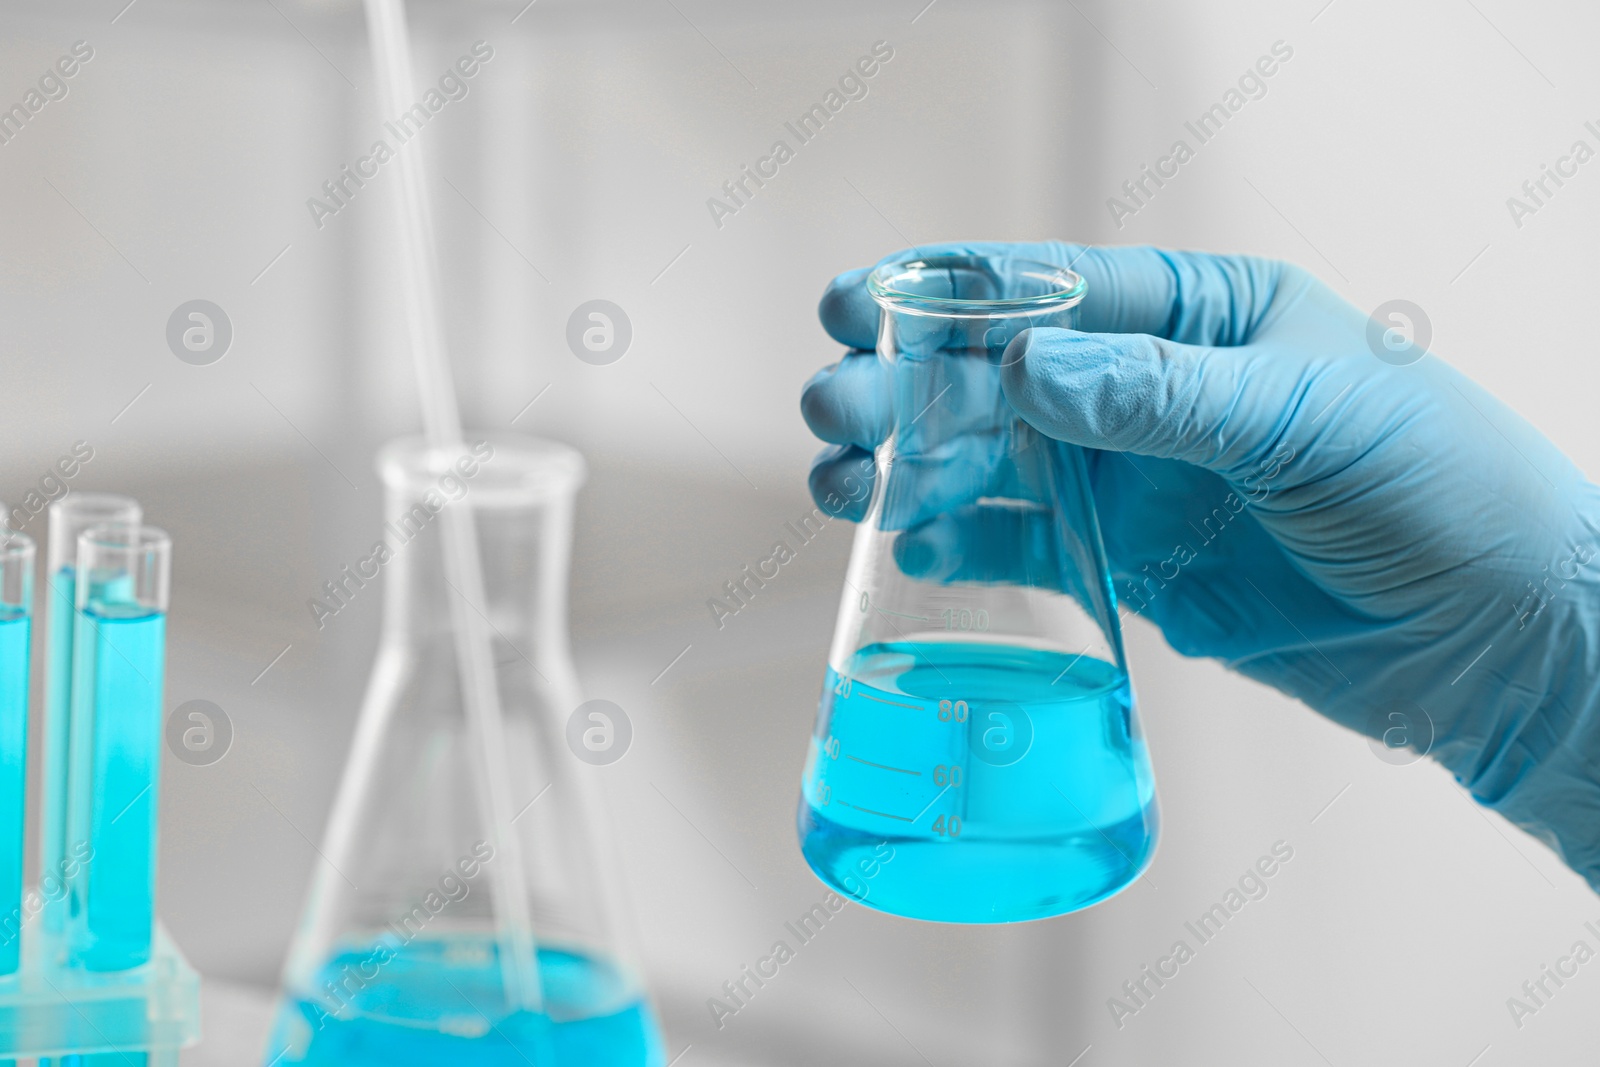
<point x="1389" y="544"/>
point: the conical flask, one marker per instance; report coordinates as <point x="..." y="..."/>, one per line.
<point x="408" y="949"/>
<point x="977" y="757"/>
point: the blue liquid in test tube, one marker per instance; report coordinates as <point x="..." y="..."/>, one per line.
<point x="119" y="654"/>
<point x="16" y="599"/>
<point x="13" y="781"/>
<point x="57" y="738"/>
<point x="69" y="517"/>
<point x="120" y="661"/>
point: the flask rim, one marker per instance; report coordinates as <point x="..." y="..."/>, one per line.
<point x="519" y="471"/>
<point x="1067" y="287"/>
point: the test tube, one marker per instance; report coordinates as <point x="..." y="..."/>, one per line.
<point x="16" y="609"/>
<point x="69" y="518"/>
<point x="118" y="664"/>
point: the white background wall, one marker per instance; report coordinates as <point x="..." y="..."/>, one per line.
<point x="1381" y="158"/>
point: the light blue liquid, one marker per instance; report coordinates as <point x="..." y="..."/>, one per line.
<point x="440" y="1001"/>
<point x="57" y="746"/>
<point x="14" y="628"/>
<point x="1039" y="803"/>
<point x="118" y="666"/>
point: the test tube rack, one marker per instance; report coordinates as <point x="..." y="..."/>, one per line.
<point x="49" y="1011"/>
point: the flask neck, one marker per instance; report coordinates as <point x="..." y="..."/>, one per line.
<point x="524" y="549"/>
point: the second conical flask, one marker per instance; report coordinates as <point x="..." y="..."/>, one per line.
<point x="441" y="929"/>
<point x="977" y="757"/>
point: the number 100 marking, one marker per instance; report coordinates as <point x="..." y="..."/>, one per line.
<point x="965" y="619"/>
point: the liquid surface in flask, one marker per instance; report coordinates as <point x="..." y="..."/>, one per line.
<point x="439" y="1000"/>
<point x="1011" y="781"/>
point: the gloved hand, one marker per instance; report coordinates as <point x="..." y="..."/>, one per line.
<point x="1374" y="540"/>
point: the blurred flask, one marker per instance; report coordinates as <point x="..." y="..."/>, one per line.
<point x="410" y="949"/>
